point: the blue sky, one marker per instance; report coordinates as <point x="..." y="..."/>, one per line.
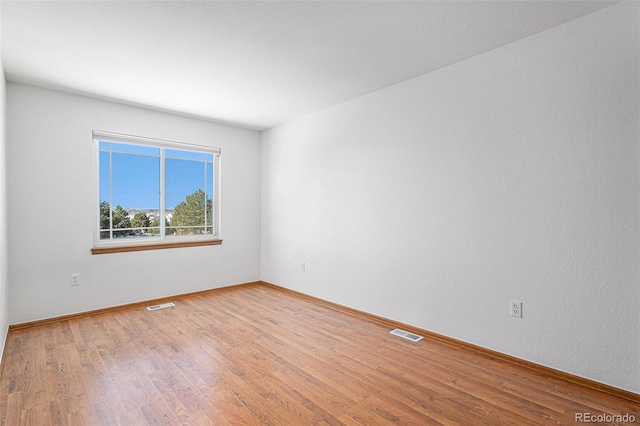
<point x="136" y="171"/>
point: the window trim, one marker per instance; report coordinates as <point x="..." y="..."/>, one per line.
<point x="153" y="246"/>
<point x="111" y="246"/>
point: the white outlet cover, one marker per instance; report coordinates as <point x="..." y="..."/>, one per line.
<point x="515" y="308"/>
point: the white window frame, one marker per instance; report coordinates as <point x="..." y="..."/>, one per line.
<point x="100" y="136"/>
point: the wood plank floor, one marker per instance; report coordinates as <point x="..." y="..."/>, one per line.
<point x="259" y="356"/>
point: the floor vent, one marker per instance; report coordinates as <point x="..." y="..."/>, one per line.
<point x="405" y="335"/>
<point x="161" y="306"/>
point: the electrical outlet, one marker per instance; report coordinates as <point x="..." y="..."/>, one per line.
<point x="75" y="279"/>
<point x="303" y="266"/>
<point x="515" y="308"/>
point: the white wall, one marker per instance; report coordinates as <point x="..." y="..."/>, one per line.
<point x="4" y="286"/>
<point x="511" y="175"/>
<point x="51" y="211"/>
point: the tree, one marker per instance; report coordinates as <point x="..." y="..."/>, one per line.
<point x="140" y="220"/>
<point x="105" y="223"/>
<point x="155" y="226"/>
<point x="191" y="212"/>
<point x="104" y="214"/>
<point x="119" y="217"/>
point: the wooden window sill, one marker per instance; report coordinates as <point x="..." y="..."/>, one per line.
<point x="122" y="249"/>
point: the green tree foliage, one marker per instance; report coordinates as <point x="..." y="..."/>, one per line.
<point x="120" y="220"/>
<point x="191" y="212"/>
<point x="155" y="226"/>
<point x="140" y="220"/>
<point x="119" y="216"/>
<point x="104" y="218"/>
<point x="104" y="215"/>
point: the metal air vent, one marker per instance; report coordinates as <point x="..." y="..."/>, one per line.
<point x="161" y="306"/>
<point x="406" y="335"/>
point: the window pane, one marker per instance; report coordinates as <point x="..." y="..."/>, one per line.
<point x="104" y="193"/>
<point x="134" y="191"/>
<point x="135" y="181"/>
<point x="185" y="196"/>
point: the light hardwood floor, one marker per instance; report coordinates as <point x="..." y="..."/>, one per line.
<point x="256" y="355"/>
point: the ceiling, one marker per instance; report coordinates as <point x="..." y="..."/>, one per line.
<point x="254" y="64"/>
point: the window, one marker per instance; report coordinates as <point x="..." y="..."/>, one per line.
<point x="154" y="194"/>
